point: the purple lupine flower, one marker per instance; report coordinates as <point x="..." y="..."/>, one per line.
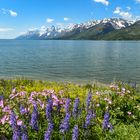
<point x="58" y="108"/>
<point x="75" y="133"/>
<point x="15" y="127"/>
<point x="64" y="127"/>
<point x="1" y="101"/>
<point x="1" y="97"/>
<point x="106" y="124"/>
<point x="23" y="110"/>
<point x="34" y="118"/>
<point x="16" y="134"/>
<point x="75" y="107"/>
<point x="88" y="119"/>
<point x="88" y="100"/>
<point x="49" y="109"/>
<point x="13" y="121"/>
<point x="48" y="132"/>
<point x="24" y="135"/>
<point x="67" y="105"/>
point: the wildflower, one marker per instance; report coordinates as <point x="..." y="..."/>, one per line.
<point x="13" y="121"/>
<point x="64" y="127"/>
<point x="55" y="102"/>
<point x="58" y="108"/>
<point x="49" y="109"/>
<point x="54" y="97"/>
<point x="48" y="132"/>
<point x="75" y="107"/>
<point x="97" y="105"/>
<point x="128" y="91"/>
<point x="12" y="96"/>
<point x="24" y="135"/>
<point x="34" y="118"/>
<point x="51" y="91"/>
<point x="109" y="102"/>
<point x="60" y="92"/>
<point x="41" y="103"/>
<point x="19" y="122"/>
<point x="16" y="134"/>
<point x="88" y="119"/>
<point x="1" y="102"/>
<point x="75" y="133"/>
<point x="88" y="100"/>
<point x="123" y="90"/>
<point x="97" y="93"/>
<point x="14" y="90"/>
<point x="15" y="127"/>
<point x="106" y="123"/>
<point x="129" y="113"/>
<point x="22" y="93"/>
<point x="110" y="127"/>
<point x="23" y="110"/>
<point x="7" y="109"/>
<point x="4" y="119"/>
<point x="106" y="99"/>
<point x="67" y="105"/>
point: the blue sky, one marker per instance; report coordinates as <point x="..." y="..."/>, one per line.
<point x="17" y="16"/>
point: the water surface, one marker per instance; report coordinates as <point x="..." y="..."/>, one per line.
<point x="76" y="61"/>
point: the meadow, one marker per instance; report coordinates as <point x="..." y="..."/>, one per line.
<point x="43" y="110"/>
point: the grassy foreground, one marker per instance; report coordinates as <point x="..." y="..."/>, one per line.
<point x="38" y="110"/>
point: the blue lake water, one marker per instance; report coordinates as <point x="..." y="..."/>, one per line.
<point x="76" y="61"/>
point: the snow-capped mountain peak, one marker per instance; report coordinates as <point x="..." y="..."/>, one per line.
<point x="56" y="32"/>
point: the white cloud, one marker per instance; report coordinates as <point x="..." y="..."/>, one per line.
<point x="117" y="10"/>
<point x="59" y="24"/>
<point x="66" y="19"/>
<point x="138" y="1"/>
<point x="13" y="13"/>
<point x="6" y="29"/>
<point x="123" y="14"/>
<point x="105" y="2"/>
<point x="10" y="12"/>
<point x="32" y="29"/>
<point x="128" y="8"/>
<point x="49" y="20"/>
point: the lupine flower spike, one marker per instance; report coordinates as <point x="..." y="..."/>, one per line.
<point x="75" y="107"/>
<point x="67" y="105"/>
<point x="64" y="127"/>
<point x="15" y="127"/>
<point x="48" y="132"/>
<point x="88" y="119"/>
<point x="106" y="125"/>
<point x="75" y="133"/>
<point x="49" y="109"/>
<point x="88" y="100"/>
<point x="24" y="135"/>
<point x="34" y="118"/>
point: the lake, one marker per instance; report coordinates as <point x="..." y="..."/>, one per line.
<point x="75" y="61"/>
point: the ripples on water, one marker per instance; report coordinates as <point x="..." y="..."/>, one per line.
<point x="78" y="61"/>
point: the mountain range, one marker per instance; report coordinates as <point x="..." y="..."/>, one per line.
<point x="106" y="29"/>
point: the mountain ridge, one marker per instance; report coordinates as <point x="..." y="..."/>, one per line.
<point x="105" y="29"/>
